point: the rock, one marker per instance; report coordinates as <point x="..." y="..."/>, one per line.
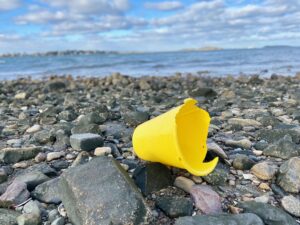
<point x="214" y="147"/>
<point x="270" y="215"/>
<point x="291" y="205"/>
<point x="184" y="183"/>
<point x="3" y="175"/>
<point x="100" y="151"/>
<point x="243" y="143"/>
<point x="8" y="217"/>
<point x="175" y="206"/>
<point x="218" y="177"/>
<point x="289" y="175"/>
<point x="13" y="155"/>
<point x="54" y="155"/>
<point x="86" y="142"/>
<point x="242" y="162"/>
<point x="225" y="219"/>
<point x="29" y="219"/>
<point x="264" y="198"/>
<point x="55" y="85"/>
<point x="15" y="194"/>
<point x="261" y="145"/>
<point x="152" y="177"/>
<point x="285" y="148"/>
<point x="134" y="118"/>
<point x="86" y="128"/>
<point x="40" y="157"/>
<point x="48" y="192"/>
<point x="274" y="135"/>
<point x="86" y="192"/>
<point x="206" y="199"/>
<point x="60" y="164"/>
<point x="58" y="221"/>
<point x="264" y="170"/>
<point x="67" y="115"/>
<point x="21" y="95"/>
<point x="33" y="129"/>
<point x="203" y="92"/>
<point x="82" y="157"/>
<point x="32" y="179"/>
<point x="91" y="118"/>
<point x="32" y="207"/>
<point x="244" y="122"/>
<point x="43" y="137"/>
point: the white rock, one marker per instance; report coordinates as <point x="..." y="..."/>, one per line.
<point x="244" y="122"/>
<point x="248" y="176"/>
<point x="102" y="151"/>
<point x="54" y="155"/>
<point x="33" y="129"/>
<point x="291" y="205"/>
<point x="21" y="95"/>
<point x="184" y="183"/>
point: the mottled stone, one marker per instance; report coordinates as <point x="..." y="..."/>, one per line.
<point x="264" y="170"/>
<point x="289" y="175"/>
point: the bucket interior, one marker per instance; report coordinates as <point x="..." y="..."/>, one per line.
<point x="192" y="128"/>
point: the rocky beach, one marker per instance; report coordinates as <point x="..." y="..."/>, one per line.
<point x="66" y="154"/>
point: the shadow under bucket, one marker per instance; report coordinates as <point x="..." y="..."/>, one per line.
<point x="176" y="138"/>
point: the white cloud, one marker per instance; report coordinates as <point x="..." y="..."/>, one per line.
<point x="9" y="4"/>
<point x="164" y="6"/>
<point x="92" y="6"/>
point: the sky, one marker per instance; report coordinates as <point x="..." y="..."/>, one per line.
<point x="142" y="25"/>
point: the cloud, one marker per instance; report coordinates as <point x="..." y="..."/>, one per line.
<point x="164" y="6"/>
<point x="9" y="4"/>
<point x="92" y="6"/>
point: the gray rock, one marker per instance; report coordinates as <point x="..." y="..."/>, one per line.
<point x="32" y="179"/>
<point x="8" y="217"/>
<point x="29" y="219"/>
<point x="242" y="162"/>
<point x="86" y="128"/>
<point x="291" y="205"/>
<point x="203" y="92"/>
<point x="225" y="219"/>
<point x="86" y="142"/>
<point x="101" y="192"/>
<point x="3" y="175"/>
<point x="289" y="175"/>
<point x="261" y="145"/>
<point x="271" y="215"/>
<point x="206" y="199"/>
<point x="175" y="206"/>
<point x="43" y="137"/>
<point x="134" y="118"/>
<point x="218" y="177"/>
<point x="58" y="221"/>
<point x="67" y="115"/>
<point x="48" y="192"/>
<point x="285" y="148"/>
<point x="274" y="135"/>
<point x="152" y="177"/>
<point x="55" y="85"/>
<point x="32" y="207"/>
<point x="15" y="194"/>
<point x="91" y="118"/>
<point x="13" y="155"/>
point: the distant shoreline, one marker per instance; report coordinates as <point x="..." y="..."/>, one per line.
<point x="101" y="52"/>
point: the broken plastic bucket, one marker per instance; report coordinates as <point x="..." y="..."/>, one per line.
<point x="176" y="138"/>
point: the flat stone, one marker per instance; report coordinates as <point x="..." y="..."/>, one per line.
<point x="48" y="192"/>
<point x="264" y="170"/>
<point x="244" y="122"/>
<point x="184" y="183"/>
<point x="86" y="141"/>
<point x="101" y="192"/>
<point x="152" y="177"/>
<point x="13" y="155"/>
<point x="206" y="199"/>
<point x="270" y="215"/>
<point x="15" y="194"/>
<point x="289" y="175"/>
<point x="243" y="143"/>
<point x="33" y="129"/>
<point x="32" y="179"/>
<point x="219" y="176"/>
<point x="223" y="219"/>
<point x="175" y="206"/>
<point x="285" y="148"/>
<point x="291" y="205"/>
<point x="242" y="162"/>
<point x="54" y="155"/>
<point x="100" y="151"/>
<point x="8" y="217"/>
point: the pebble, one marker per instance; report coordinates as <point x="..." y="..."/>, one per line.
<point x="15" y="194"/>
<point x="263" y="199"/>
<point x="243" y="143"/>
<point x="40" y="157"/>
<point x="244" y="122"/>
<point x="54" y="155"/>
<point x="242" y="162"/>
<point x="100" y="151"/>
<point x="21" y="95"/>
<point x="33" y="129"/>
<point x="289" y="175"/>
<point x="264" y="186"/>
<point x="58" y="221"/>
<point x="3" y="175"/>
<point x="86" y="141"/>
<point x="291" y="205"/>
<point x="184" y="183"/>
<point x="264" y="170"/>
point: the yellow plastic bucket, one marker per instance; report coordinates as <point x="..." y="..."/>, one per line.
<point x="176" y="138"/>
